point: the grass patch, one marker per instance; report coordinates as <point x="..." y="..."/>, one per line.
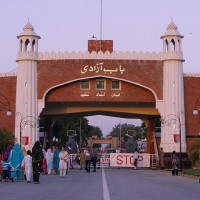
<point x="193" y="172"/>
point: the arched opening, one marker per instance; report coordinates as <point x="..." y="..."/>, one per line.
<point x="20" y="45"/>
<point x="173" y="45"/>
<point x="118" y="98"/>
<point x="33" y="45"/>
<point x="166" y="45"/>
<point x="27" y="44"/>
<point x="179" y="45"/>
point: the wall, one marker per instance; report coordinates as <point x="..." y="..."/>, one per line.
<point x="8" y="89"/>
<point x="148" y="73"/>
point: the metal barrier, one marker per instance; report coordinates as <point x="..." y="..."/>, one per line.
<point x="103" y="160"/>
<point x="154" y="162"/>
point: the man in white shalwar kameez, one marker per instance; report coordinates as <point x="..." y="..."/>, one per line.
<point x="63" y="155"/>
<point x="27" y="163"/>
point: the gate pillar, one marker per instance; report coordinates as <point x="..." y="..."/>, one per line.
<point x="150" y="124"/>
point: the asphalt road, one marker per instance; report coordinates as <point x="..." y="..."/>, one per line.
<point x="107" y="184"/>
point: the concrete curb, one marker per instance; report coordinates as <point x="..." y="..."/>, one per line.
<point x="182" y="174"/>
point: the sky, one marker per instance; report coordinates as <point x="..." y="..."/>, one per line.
<point x="133" y="25"/>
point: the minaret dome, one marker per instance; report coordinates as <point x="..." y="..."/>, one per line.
<point x="172" y="38"/>
<point x="28" y="39"/>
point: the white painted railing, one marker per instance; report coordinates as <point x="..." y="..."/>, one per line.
<point x="103" y="161"/>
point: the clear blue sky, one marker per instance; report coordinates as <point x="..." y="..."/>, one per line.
<point x="66" y="25"/>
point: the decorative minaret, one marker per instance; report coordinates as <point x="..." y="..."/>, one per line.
<point x="173" y="111"/>
<point x="26" y="130"/>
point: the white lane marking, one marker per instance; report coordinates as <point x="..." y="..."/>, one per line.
<point x="106" y="195"/>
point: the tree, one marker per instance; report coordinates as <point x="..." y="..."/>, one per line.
<point x="95" y="130"/>
<point x="138" y="132"/>
<point x="63" y="125"/>
<point x="6" y="138"/>
<point x="195" y="152"/>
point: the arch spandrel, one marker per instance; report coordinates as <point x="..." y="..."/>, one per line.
<point x="127" y="93"/>
<point x="131" y="101"/>
<point x="148" y="73"/>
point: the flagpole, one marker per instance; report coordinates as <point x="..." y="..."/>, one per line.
<point x="101" y="24"/>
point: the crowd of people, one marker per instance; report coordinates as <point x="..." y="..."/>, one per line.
<point x="17" y="164"/>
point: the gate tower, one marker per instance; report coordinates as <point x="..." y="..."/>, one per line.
<point x="26" y="92"/>
<point x="173" y="90"/>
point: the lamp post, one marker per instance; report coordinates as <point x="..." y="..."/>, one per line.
<point x="55" y="140"/>
<point x="5" y="104"/>
<point x="120" y="136"/>
<point x="70" y="136"/>
<point x="196" y="110"/>
<point x="131" y="136"/>
<point x="133" y="141"/>
<point x="30" y="121"/>
<point x="173" y="120"/>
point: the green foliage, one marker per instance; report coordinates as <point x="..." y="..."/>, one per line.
<point x="137" y="132"/>
<point x="195" y="152"/>
<point x="95" y="130"/>
<point x="193" y="172"/>
<point x="6" y="138"/>
<point x="63" y="126"/>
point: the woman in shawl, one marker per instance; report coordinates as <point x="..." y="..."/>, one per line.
<point x="15" y="159"/>
<point x="44" y="162"/>
<point x="7" y="152"/>
<point x="49" y="158"/>
<point x="6" y="155"/>
<point x="56" y="159"/>
<point x="1" y="160"/>
<point x="37" y="157"/>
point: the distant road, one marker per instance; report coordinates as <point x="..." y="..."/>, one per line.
<point x="107" y="184"/>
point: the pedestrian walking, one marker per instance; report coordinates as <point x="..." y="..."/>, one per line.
<point x="37" y="157"/>
<point x="56" y="159"/>
<point x="87" y="161"/>
<point x="27" y="165"/>
<point x="161" y="158"/>
<point x="49" y="159"/>
<point x="1" y="160"/>
<point x="175" y="163"/>
<point x="5" y="168"/>
<point x="6" y="155"/>
<point x="82" y="159"/>
<point x="7" y="152"/>
<point x="23" y="169"/>
<point x="136" y="156"/>
<point x="93" y="154"/>
<point x="63" y="156"/>
<point x="15" y="159"/>
<point x="44" y="162"/>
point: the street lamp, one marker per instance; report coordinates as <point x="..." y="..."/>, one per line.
<point x="120" y="136"/>
<point x="173" y="120"/>
<point x="30" y="121"/>
<point x="55" y="140"/>
<point x="5" y="105"/>
<point x="71" y="135"/>
<point x="130" y="136"/>
<point x="80" y="132"/>
<point x="196" y="110"/>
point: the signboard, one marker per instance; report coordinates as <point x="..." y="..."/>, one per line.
<point x="177" y="138"/>
<point x="25" y="140"/>
<point x="105" y="160"/>
<point x="127" y="160"/>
